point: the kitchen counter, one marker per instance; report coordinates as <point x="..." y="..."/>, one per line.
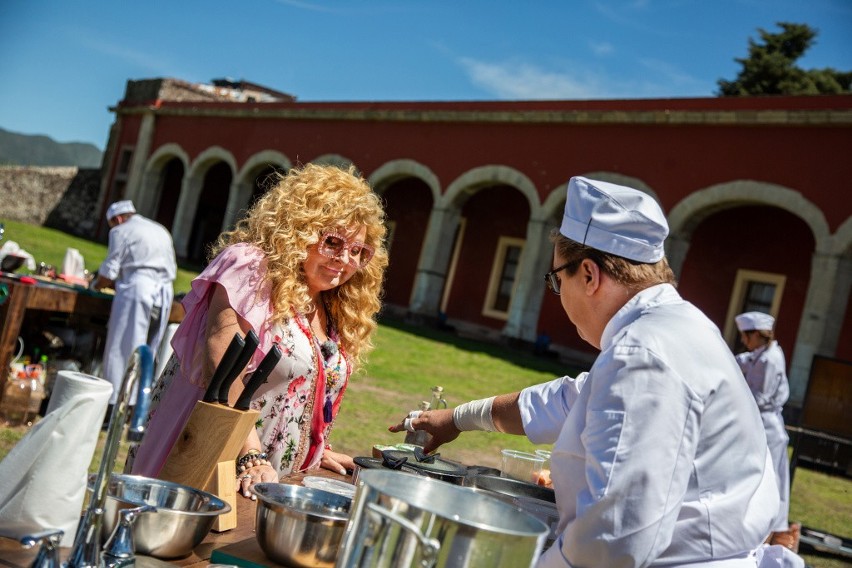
<point x="242" y="538"/>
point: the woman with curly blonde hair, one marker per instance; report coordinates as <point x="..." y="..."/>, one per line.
<point x="304" y="271"/>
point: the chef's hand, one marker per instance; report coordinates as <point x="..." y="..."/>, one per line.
<point x="260" y="473"/>
<point x="336" y="462"/>
<point x="438" y="423"/>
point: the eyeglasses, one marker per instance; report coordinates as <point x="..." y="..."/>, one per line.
<point x="552" y="278"/>
<point x="333" y="245"/>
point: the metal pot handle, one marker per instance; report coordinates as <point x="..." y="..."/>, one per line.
<point x="430" y="546"/>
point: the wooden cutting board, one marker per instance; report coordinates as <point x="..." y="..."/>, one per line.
<point x="246" y="553"/>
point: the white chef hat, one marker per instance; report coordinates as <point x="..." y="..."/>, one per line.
<point x="615" y="219"/>
<point x="120" y="208"/>
<point x="755" y="321"/>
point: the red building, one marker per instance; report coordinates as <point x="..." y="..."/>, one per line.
<point x="756" y="190"/>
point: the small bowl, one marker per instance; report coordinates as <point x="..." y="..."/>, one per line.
<point x="183" y="518"/>
<point x="300" y="526"/>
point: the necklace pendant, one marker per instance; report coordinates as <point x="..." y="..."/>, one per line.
<point x="326" y="411"/>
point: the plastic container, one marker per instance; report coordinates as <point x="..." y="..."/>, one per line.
<point x="523" y="466"/>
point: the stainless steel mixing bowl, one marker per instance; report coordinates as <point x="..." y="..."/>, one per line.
<point x="300" y="526"/>
<point x="183" y="518"/>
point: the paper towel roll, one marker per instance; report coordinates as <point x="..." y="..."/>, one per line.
<point x="43" y="478"/>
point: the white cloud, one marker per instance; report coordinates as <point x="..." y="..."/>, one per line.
<point x="305" y="5"/>
<point x="142" y="59"/>
<point x="601" y="48"/>
<point x="670" y="74"/>
<point x="520" y="80"/>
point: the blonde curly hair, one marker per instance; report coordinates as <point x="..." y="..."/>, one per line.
<point x="289" y="218"/>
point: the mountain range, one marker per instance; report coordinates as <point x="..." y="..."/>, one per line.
<point x="39" y="150"/>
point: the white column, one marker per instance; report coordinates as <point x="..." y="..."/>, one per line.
<point x="190" y="188"/>
<point x="526" y="301"/>
<point x="238" y="197"/>
<point x="140" y="157"/>
<point x="434" y="261"/>
<point x="821" y="321"/>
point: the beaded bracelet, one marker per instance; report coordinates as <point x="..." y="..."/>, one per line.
<point x="250" y="459"/>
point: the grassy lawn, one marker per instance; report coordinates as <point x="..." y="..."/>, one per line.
<point x="409" y="361"/>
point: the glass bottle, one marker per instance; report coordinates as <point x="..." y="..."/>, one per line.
<point x="419" y="437"/>
<point x="438" y="402"/>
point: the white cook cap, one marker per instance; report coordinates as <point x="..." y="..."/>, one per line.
<point x="615" y="219"/>
<point x="755" y="321"/>
<point x="120" y="208"/>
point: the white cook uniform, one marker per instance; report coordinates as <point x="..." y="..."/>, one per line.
<point x="141" y="261"/>
<point x="766" y="376"/>
<point x="659" y="457"/>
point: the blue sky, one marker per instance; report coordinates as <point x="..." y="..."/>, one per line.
<point x="64" y="63"/>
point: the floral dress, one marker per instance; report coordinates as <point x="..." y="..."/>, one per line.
<point x="288" y="401"/>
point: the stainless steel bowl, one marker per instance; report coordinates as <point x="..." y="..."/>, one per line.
<point x="183" y="518"/>
<point x="300" y="526"/>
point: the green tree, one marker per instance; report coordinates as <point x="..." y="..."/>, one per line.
<point x="770" y="68"/>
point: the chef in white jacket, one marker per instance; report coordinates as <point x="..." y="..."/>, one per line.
<point x="140" y="266"/>
<point x="659" y="457"/>
<point x="764" y="367"/>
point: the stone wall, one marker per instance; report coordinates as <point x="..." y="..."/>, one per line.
<point x="63" y="198"/>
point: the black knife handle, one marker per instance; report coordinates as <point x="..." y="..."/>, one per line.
<point x="224" y="367"/>
<point x="245" y="356"/>
<point x="259" y="377"/>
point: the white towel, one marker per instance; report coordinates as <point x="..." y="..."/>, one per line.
<point x="43" y="479"/>
<point x="73" y="264"/>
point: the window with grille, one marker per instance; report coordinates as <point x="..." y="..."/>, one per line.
<point x="753" y="292"/>
<point x="504" y="272"/>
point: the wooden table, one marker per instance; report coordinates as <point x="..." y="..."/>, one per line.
<point x="50" y="296"/>
<point x="12" y="555"/>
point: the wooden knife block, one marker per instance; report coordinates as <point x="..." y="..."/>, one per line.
<point x="210" y="441"/>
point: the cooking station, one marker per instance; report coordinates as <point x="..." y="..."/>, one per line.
<point x="401" y="508"/>
<point x="240" y="546"/>
<point x="28" y="296"/>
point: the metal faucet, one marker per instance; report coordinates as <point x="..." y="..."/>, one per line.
<point x="86" y="551"/>
<point x="48" y="553"/>
<point x="119" y="550"/>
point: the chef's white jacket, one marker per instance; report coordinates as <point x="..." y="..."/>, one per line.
<point x="766" y="376"/>
<point x="659" y="456"/>
<point x="141" y="260"/>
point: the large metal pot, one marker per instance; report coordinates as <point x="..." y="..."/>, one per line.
<point x="410" y="521"/>
<point x="300" y="526"/>
<point x="536" y="500"/>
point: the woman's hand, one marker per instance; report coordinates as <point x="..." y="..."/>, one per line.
<point x="438" y="423"/>
<point x="336" y="462"/>
<point x="261" y="473"/>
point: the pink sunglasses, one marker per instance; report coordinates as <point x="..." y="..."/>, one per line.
<point x="332" y="245"/>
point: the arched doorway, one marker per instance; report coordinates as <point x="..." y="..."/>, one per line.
<point x="263" y="182"/>
<point x="171" y="178"/>
<point x="408" y="202"/>
<point x="210" y="213"/>
<point x="737" y="256"/>
<point x="489" y="245"/>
